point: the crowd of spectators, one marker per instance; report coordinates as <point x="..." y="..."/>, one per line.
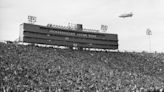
<point x="26" y="68"/>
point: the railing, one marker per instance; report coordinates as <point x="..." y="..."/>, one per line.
<point x="73" y="27"/>
<point x="91" y="30"/>
<point x="62" y="27"/>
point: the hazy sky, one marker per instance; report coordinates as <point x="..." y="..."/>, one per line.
<point x="91" y="13"/>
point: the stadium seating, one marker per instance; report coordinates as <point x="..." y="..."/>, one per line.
<point x="27" y="68"/>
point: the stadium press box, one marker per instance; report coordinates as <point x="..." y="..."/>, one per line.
<point x="38" y="34"/>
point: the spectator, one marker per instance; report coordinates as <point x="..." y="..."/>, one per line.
<point x="30" y="68"/>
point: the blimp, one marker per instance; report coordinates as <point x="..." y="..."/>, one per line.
<point x="126" y="15"/>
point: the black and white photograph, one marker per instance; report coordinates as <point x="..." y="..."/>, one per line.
<point x="81" y="45"/>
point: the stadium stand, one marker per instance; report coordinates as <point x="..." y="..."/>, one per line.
<point x="27" y="68"/>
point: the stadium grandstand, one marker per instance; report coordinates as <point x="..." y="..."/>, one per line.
<point x="29" y="68"/>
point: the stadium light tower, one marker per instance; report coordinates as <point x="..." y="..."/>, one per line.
<point x="31" y="19"/>
<point x="104" y="28"/>
<point x="149" y="33"/>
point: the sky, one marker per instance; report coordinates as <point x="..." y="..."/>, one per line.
<point x="92" y="14"/>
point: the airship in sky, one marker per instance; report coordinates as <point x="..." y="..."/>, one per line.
<point x="126" y="15"/>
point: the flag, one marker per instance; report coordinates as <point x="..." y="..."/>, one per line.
<point x="104" y="27"/>
<point x="148" y="32"/>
